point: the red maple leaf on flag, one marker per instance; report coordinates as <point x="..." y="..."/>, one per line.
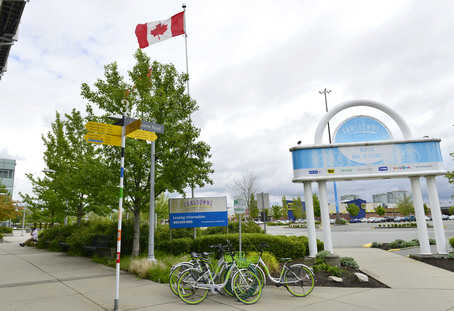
<point x="159" y="30"/>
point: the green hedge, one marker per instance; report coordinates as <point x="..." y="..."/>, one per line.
<point x="451" y="241"/>
<point x="182" y="239"/>
<point x="279" y="246"/>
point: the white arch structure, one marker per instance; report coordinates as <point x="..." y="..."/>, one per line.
<point x="322" y="163"/>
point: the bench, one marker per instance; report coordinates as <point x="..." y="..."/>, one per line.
<point x="100" y="246"/>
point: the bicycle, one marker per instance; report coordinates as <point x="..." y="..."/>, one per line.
<point x="194" y="284"/>
<point x="177" y="269"/>
<point x="297" y="278"/>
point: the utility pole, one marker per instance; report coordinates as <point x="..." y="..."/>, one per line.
<point x="324" y="92"/>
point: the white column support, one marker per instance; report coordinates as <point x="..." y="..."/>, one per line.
<point x="310" y="219"/>
<point x="324" y="212"/>
<point x="436" y="215"/>
<point x="420" y="216"/>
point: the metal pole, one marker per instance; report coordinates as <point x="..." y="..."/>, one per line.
<point x="186" y="43"/>
<point x="151" y="222"/>
<point x="23" y="223"/>
<point x="187" y="83"/>
<point x="264" y="214"/>
<point x="325" y="91"/>
<point x="120" y="214"/>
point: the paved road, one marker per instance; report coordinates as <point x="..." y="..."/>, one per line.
<point x="358" y="234"/>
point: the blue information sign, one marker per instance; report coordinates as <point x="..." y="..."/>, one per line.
<point x="198" y="212"/>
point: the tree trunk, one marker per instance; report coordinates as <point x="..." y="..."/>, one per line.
<point x="79" y="215"/>
<point x="136" y="239"/>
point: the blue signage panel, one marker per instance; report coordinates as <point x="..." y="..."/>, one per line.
<point x="198" y="212"/>
<point x="195" y="220"/>
<point x="367" y="160"/>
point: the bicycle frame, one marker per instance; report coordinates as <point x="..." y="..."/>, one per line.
<point x="214" y="287"/>
<point x="285" y="268"/>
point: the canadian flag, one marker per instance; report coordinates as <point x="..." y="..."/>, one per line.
<point x="154" y="32"/>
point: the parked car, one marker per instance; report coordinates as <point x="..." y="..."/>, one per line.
<point x="355" y="220"/>
<point x="371" y="219"/>
<point x="409" y="218"/>
<point x="389" y="218"/>
<point x="451" y="217"/>
<point x="428" y="218"/>
<point x="398" y="219"/>
<point x="444" y="217"/>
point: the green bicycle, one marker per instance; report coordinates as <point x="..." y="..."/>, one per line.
<point x="194" y="284"/>
<point x="297" y="278"/>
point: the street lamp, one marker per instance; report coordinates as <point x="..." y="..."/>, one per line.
<point x="324" y="92"/>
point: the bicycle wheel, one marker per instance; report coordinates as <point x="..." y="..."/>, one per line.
<point x="299" y="280"/>
<point x="227" y="288"/>
<point x="246" y="286"/>
<point x="259" y="272"/>
<point x="174" y="274"/>
<point x="187" y="287"/>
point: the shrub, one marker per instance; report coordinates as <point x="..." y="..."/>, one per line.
<point x="377" y="244"/>
<point x="322" y="255"/>
<point x="332" y="270"/>
<point x="6" y="230"/>
<point x="451" y="241"/>
<point x="349" y="262"/>
<point x="1" y="236"/>
<point x="450" y="256"/>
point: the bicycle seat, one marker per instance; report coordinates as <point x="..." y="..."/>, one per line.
<point x="285" y="259"/>
<point x="195" y="255"/>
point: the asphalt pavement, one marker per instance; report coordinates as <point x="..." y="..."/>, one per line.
<point x="36" y="279"/>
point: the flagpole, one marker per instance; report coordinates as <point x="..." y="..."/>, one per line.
<point x="186" y="45"/>
<point x="187" y="66"/>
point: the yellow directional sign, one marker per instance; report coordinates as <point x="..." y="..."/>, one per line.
<point x="103" y="128"/>
<point x="134" y="126"/>
<point x="111" y="140"/>
<point x="144" y="135"/>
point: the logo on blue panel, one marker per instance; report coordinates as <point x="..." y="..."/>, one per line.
<point x="383" y="168"/>
<point x="360" y="129"/>
<point x="313" y="172"/>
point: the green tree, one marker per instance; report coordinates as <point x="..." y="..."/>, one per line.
<point x="380" y="210"/>
<point x="405" y="206"/>
<point x="426" y="209"/>
<point x="9" y="209"/>
<point x="162" y="207"/>
<point x="297" y="208"/>
<point x="77" y="181"/>
<point x="155" y="92"/>
<point x="451" y="210"/>
<point x="276" y="211"/>
<point x="316" y="203"/>
<point x="284" y="207"/>
<point x="353" y="209"/>
<point x="253" y="209"/>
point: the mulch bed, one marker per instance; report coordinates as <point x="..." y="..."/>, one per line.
<point x="348" y="276"/>
<point x="350" y="280"/>
<point x="447" y="264"/>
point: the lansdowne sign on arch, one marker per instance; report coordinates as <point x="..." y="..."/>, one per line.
<point x="363" y="148"/>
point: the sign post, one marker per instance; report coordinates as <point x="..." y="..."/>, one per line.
<point x="115" y="135"/>
<point x="239" y="207"/>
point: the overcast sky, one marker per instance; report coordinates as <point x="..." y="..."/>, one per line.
<point x="256" y="69"/>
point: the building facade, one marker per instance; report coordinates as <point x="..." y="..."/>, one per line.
<point x="7" y="172"/>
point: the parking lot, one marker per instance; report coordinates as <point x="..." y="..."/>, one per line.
<point x="358" y="234"/>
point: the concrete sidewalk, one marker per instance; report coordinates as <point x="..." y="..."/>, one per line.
<point x="36" y="279"/>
